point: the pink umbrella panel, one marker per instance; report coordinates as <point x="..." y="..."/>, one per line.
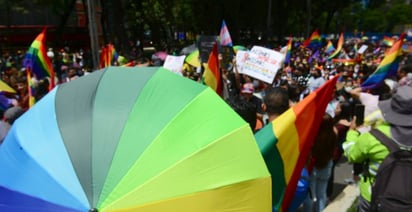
<point x="161" y="55"/>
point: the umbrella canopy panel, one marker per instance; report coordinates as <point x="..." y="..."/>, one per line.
<point x="127" y="139"/>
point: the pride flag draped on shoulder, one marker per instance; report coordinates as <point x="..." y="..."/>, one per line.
<point x="286" y="142"/>
<point x="388" y="66"/>
<point x="37" y="61"/>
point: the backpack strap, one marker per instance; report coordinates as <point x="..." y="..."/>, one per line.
<point x="389" y="143"/>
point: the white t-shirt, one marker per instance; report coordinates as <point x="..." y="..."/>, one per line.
<point x="370" y="101"/>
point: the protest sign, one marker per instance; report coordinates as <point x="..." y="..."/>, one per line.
<point x="260" y="63"/>
<point x="362" y="49"/>
<point x="174" y="63"/>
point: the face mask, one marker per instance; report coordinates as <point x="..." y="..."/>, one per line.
<point x="348" y="89"/>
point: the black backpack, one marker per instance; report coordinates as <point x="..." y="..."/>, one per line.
<point x="392" y="188"/>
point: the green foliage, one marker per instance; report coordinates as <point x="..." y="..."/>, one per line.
<point x="399" y="14"/>
<point x="246" y="19"/>
<point x="373" y="20"/>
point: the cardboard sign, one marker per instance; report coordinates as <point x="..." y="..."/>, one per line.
<point x="260" y="63"/>
<point x="174" y="63"/>
<point x="362" y="49"/>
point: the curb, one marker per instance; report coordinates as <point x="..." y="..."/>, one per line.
<point x="344" y="200"/>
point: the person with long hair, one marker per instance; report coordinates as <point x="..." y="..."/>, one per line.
<point x="320" y="164"/>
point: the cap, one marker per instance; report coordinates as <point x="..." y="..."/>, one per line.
<point x="248" y="88"/>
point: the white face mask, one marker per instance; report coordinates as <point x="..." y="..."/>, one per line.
<point x="348" y="89"/>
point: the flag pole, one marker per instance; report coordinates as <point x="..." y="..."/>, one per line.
<point x="91" y="10"/>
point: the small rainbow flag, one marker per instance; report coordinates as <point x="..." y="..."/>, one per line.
<point x="37" y="61"/>
<point x="387" y="67"/>
<point x="329" y="47"/>
<point x="314" y="41"/>
<point x="285" y="143"/>
<point x="108" y="56"/>
<point x="288" y="50"/>
<point x="338" y="47"/>
<point x="387" y="41"/>
<point x="211" y="75"/>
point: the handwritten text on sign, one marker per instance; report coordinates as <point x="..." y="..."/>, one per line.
<point x="260" y="63"/>
<point x="174" y="63"/>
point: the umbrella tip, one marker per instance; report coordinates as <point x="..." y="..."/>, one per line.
<point x="93" y="210"/>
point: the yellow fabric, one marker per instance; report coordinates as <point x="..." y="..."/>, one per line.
<point x="289" y="151"/>
<point x="193" y="59"/>
<point x="248" y="196"/>
<point x="210" y="78"/>
<point x="228" y="160"/>
<point x="5" y="87"/>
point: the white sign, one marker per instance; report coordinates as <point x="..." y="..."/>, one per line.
<point x="362" y="49"/>
<point x="174" y="63"/>
<point x="260" y="63"/>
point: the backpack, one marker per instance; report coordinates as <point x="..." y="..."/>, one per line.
<point x="392" y="188"/>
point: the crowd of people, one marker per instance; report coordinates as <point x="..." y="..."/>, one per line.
<point x="339" y="136"/>
<point x="260" y="103"/>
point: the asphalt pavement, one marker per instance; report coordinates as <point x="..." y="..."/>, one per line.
<point x="343" y="177"/>
<point x="344" y="190"/>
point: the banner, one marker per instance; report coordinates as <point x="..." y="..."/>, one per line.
<point x="174" y="63"/>
<point x="260" y="63"/>
<point x="205" y="45"/>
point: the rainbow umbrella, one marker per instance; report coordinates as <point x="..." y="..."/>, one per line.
<point x="239" y="47"/>
<point x="161" y="55"/>
<point x="129" y="139"/>
<point x="193" y="58"/>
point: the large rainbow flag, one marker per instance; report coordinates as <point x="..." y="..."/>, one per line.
<point x="338" y="47"/>
<point x="387" y="67"/>
<point x="37" y="61"/>
<point x="211" y="75"/>
<point x="286" y="142"/>
<point x="388" y="41"/>
<point x="314" y="41"/>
